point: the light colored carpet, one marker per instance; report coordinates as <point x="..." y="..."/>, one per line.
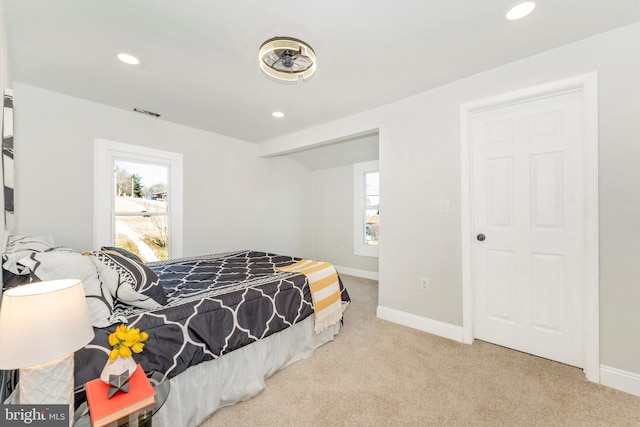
<point x="376" y="373"/>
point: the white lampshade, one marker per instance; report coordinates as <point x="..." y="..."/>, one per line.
<point x="43" y="321"/>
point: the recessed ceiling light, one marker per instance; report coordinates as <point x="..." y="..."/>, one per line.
<point x="277" y="114"/>
<point x="128" y="59"/>
<point x="520" y="10"/>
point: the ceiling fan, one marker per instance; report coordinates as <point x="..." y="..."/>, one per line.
<point x="287" y="60"/>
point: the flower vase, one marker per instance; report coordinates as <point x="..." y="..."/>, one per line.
<point x="117" y="367"/>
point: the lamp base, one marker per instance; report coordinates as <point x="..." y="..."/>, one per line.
<point x="50" y="382"/>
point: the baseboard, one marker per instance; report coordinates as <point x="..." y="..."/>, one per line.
<point x="365" y="274"/>
<point x="620" y="380"/>
<point x="431" y="326"/>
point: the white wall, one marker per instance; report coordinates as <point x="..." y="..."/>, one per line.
<point x="420" y="164"/>
<point x="232" y="199"/>
<point x="333" y="219"/>
<point x="4" y="63"/>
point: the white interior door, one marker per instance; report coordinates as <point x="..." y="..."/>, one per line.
<point x="528" y="202"/>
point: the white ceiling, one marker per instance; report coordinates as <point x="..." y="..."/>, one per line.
<point x="199" y="64"/>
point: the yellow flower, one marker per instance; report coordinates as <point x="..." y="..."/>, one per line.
<point x="137" y="347"/>
<point x="125" y="341"/>
<point x="121" y="332"/>
<point x="125" y="351"/>
<point x="132" y="337"/>
<point x="113" y="339"/>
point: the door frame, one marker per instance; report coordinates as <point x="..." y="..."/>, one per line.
<point x="587" y="85"/>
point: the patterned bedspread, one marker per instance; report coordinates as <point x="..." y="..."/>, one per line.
<point x="216" y="304"/>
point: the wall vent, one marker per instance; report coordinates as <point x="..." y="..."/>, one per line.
<point x="148" y="113"/>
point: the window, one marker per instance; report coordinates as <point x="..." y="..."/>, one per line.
<point x="138" y="200"/>
<point x="372" y="208"/>
<point x="366" y="225"/>
<point x="141" y="217"/>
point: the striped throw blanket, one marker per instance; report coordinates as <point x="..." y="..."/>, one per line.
<point x="325" y="291"/>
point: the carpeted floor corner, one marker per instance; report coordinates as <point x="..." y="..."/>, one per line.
<point x="376" y="373"/>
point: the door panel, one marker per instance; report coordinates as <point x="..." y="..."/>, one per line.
<point x="500" y="192"/>
<point x="500" y="272"/>
<point x="547" y="201"/>
<point x="547" y="280"/>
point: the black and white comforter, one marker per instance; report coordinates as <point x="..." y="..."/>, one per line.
<point x="215" y="304"/>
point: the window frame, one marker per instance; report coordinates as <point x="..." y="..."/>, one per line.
<point x="359" y="192"/>
<point x="105" y="154"/>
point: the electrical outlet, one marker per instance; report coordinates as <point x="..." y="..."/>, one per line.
<point x="343" y="249"/>
<point x="425" y="285"/>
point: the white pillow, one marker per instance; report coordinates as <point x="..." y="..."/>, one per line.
<point x="16" y="247"/>
<point x="63" y="263"/>
<point x="17" y="243"/>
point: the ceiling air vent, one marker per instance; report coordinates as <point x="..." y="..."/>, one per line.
<point x="148" y="113"/>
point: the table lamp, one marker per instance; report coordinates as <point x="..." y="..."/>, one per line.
<point x="41" y="325"/>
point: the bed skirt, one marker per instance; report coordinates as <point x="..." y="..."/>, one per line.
<point x="237" y="376"/>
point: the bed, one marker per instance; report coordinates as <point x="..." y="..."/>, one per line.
<point x="218" y="324"/>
